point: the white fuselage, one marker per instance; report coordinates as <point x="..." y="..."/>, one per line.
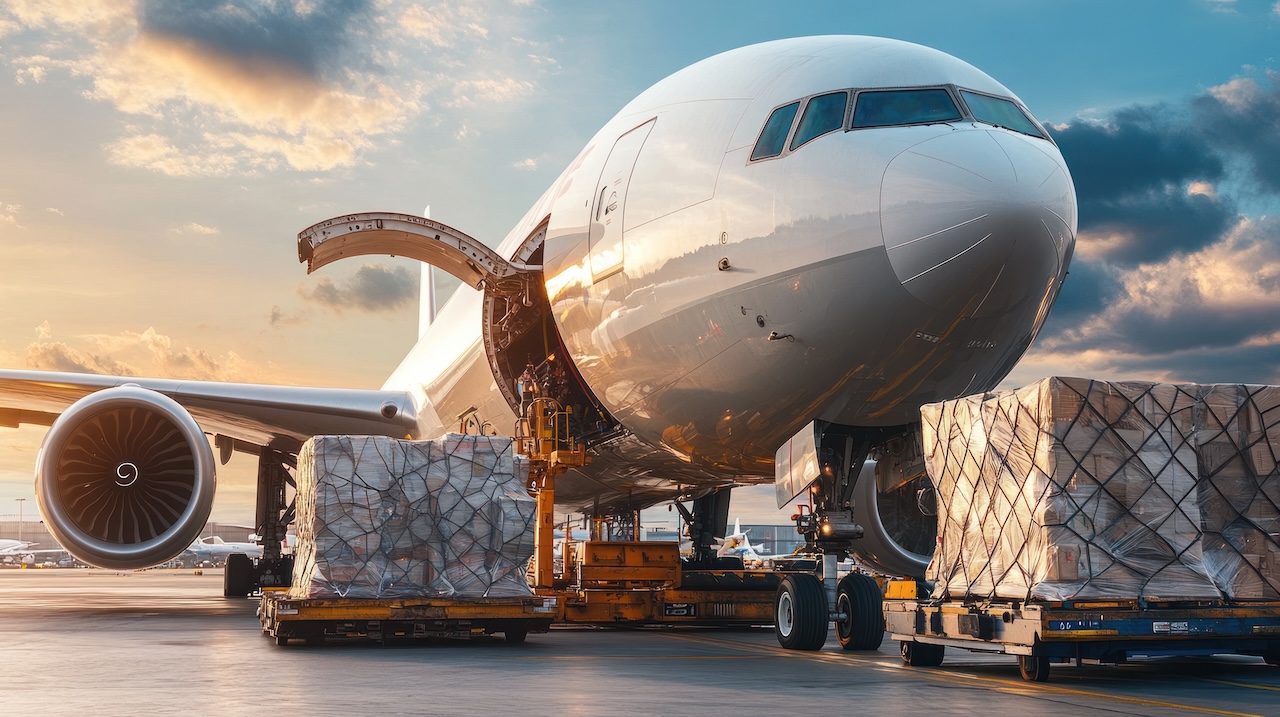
<point x="715" y="304"/>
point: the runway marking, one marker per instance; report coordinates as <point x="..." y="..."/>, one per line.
<point x="1007" y="686"/>
<point x="1240" y="684"/>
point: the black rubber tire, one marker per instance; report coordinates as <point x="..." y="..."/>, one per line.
<point x="859" y="598"/>
<point x="238" y="578"/>
<point x="1033" y="668"/>
<point x="1272" y="658"/>
<point x="516" y="635"/>
<point x="922" y="654"/>
<point x="801" y="618"/>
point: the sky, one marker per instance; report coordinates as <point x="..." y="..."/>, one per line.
<point x="159" y="159"/>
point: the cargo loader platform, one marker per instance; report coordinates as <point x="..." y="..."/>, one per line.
<point x="319" y="620"/>
<point x="1083" y="632"/>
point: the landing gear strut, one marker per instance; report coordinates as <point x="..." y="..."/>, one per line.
<point x="854" y="601"/>
<point x="708" y="521"/>
<point x="245" y="575"/>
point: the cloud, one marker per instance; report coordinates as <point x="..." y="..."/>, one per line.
<point x="528" y="163"/>
<point x="54" y="210"/>
<point x="280" y="317"/>
<point x="9" y="214"/>
<point x="251" y="86"/>
<point x="373" y="288"/>
<point x="1243" y="117"/>
<point x="1133" y="176"/>
<point x="194" y="228"/>
<point x="128" y="353"/>
<point x="1171" y="280"/>
<point x="57" y="356"/>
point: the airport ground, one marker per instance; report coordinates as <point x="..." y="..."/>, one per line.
<point x="165" y="642"/>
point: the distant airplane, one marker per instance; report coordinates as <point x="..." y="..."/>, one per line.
<point x="20" y="551"/>
<point x="738" y="545"/>
<point x="756" y="272"/>
<point x="9" y="547"/>
<point x="216" y="550"/>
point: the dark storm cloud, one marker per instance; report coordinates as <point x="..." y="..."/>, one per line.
<point x="373" y="288"/>
<point x="1090" y="287"/>
<point x="1138" y="151"/>
<point x="1248" y="124"/>
<point x="1131" y="176"/>
<point x="309" y="41"/>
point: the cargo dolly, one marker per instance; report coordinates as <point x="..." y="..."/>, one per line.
<point x="1080" y="632"/>
<point x="320" y="620"/>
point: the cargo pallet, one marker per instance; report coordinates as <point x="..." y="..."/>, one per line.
<point x="1081" y="631"/>
<point x="318" y="620"/>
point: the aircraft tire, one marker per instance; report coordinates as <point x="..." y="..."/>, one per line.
<point x="1034" y="668"/>
<point x="922" y="654"/>
<point x="801" y="618"/>
<point x="859" y="599"/>
<point x="238" y="578"/>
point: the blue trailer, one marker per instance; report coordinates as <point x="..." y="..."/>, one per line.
<point x="1041" y="634"/>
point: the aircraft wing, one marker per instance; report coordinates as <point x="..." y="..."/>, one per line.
<point x="263" y="415"/>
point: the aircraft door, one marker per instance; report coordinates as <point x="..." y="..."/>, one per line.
<point x="605" y="239"/>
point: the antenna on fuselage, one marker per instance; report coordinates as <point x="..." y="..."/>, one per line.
<point x="426" y="291"/>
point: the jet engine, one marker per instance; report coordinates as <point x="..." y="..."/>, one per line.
<point x="125" y="478"/>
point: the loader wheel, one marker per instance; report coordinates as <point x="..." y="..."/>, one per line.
<point x="801" y="618"/>
<point x="516" y="635"/>
<point x="1034" y="668"/>
<point x="860" y="601"/>
<point x="238" y="578"/>
<point x="922" y="654"/>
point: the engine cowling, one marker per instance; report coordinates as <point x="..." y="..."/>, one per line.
<point x="900" y="524"/>
<point x="125" y="478"/>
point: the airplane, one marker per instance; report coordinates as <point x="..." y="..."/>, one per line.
<point x="20" y="551"/>
<point x="738" y="545"/>
<point x="756" y="272"/>
<point x="215" y="550"/>
<point x="8" y="546"/>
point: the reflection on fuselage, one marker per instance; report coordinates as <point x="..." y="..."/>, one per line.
<point x="720" y="303"/>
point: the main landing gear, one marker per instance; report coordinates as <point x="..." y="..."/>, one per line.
<point x="243" y="575"/>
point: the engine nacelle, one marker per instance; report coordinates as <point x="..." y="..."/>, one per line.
<point x="125" y="478"/>
<point x="900" y="524"/>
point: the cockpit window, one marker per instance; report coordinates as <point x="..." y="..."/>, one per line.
<point x="882" y="108"/>
<point x="774" y="136"/>
<point x="1000" y="112"/>
<point x="823" y="114"/>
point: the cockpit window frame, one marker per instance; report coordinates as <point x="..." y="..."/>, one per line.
<point x="1031" y="119"/>
<point x="851" y="103"/>
<point x="951" y="91"/>
<point x="786" y="139"/>
<point x="804" y="109"/>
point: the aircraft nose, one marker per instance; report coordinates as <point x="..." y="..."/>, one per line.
<point x="978" y="221"/>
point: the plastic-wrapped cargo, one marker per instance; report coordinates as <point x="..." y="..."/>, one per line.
<point x="1237" y="440"/>
<point x="1068" y="489"/>
<point x="381" y="518"/>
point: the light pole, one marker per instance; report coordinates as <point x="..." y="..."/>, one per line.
<point x="20" y="502"/>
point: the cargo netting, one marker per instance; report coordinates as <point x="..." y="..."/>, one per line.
<point x="383" y="518"/>
<point x="1077" y="489"/>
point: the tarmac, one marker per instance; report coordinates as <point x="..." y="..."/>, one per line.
<point x="98" y="642"/>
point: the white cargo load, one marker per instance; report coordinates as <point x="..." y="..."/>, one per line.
<point x="382" y="518"/>
<point x="1077" y="489"/>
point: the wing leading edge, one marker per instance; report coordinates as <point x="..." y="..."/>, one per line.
<point x="281" y="417"/>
